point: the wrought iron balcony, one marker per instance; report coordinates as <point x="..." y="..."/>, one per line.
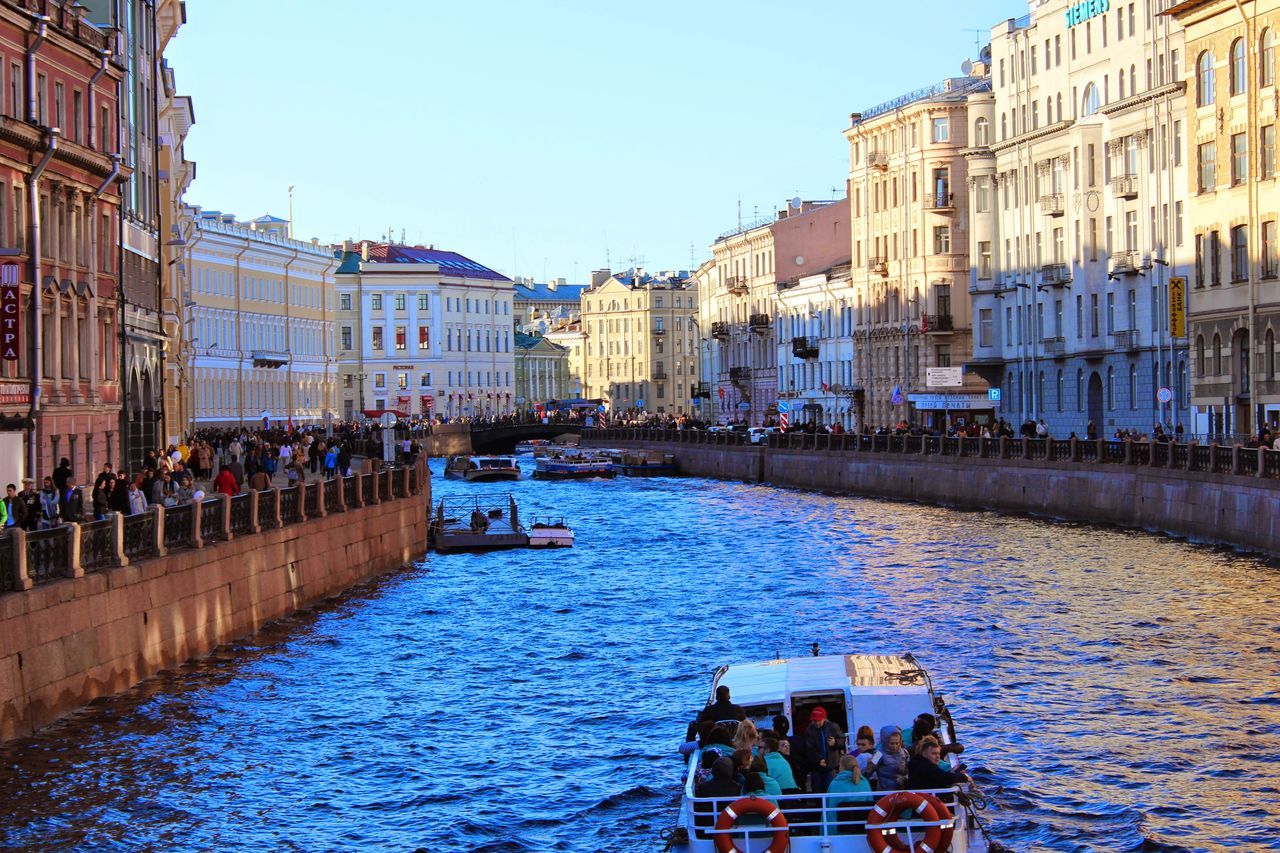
<point x="660" y="372"/>
<point x="878" y="160"/>
<point x="804" y="347"/>
<point x="936" y="323"/>
<point x="1126" y="263"/>
<point x="736" y="284"/>
<point x="1125" y="340"/>
<point x="1055" y="275"/>
<point x="878" y="265"/>
<point x="1124" y="186"/>
<point x="720" y="330"/>
<point x="1056" y="346"/>
<point x="739" y="374"/>
<point x="759" y="323"/>
<point x="269" y="358"/>
<point x="941" y="202"/>
<point x="658" y="331"/>
<point x="1054" y="204"/>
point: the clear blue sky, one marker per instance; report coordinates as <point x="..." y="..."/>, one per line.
<point x="533" y="137"/>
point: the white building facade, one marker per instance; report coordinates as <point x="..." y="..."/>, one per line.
<point x="423" y="332"/>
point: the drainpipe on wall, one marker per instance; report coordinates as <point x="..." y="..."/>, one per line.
<point x="42" y="25"/>
<point x="37" y="273"/>
<point x="1252" y="110"/>
<point x="105" y="58"/>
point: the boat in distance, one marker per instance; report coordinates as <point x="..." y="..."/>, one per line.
<point x="571" y="465"/>
<point x="855" y="690"/>
<point x="531" y="446"/>
<point x="476" y="523"/>
<point x="550" y="533"/>
<point x="482" y="469"/>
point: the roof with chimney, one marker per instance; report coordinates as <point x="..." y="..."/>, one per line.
<point x="450" y="263"/>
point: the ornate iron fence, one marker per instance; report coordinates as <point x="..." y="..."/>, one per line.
<point x="241" y="515"/>
<point x="1037" y="448"/>
<point x="211" y="520"/>
<point x="97" y="545"/>
<point x="1248" y="461"/>
<point x="48" y="553"/>
<point x="312" y="493"/>
<point x="266" y="509"/>
<point x="1113" y="452"/>
<point x="1222" y="460"/>
<point x="351" y="489"/>
<point x="1178" y="454"/>
<point x="1140" y="453"/>
<point x="1201" y="457"/>
<point x="289" y="503"/>
<point x="1160" y="454"/>
<point x="179" y="526"/>
<point x="1059" y="451"/>
<point x="366" y="488"/>
<point x="140" y="536"/>
<point x="8" y="566"/>
<point x="332" y="497"/>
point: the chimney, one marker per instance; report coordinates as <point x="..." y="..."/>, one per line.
<point x="346" y="246"/>
<point x="364" y="250"/>
<point x="553" y="284"/>
<point x="599" y="277"/>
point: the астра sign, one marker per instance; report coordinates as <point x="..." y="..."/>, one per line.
<point x="1082" y="12"/>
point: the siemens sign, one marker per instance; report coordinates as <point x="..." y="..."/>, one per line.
<point x="1082" y="12"/>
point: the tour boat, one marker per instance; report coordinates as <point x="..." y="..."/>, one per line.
<point x="648" y="463"/>
<point x="550" y="534"/>
<point x="477" y="524"/>
<point x="573" y="466"/>
<point x="854" y="690"/>
<point x="530" y="447"/>
<point x="480" y="469"/>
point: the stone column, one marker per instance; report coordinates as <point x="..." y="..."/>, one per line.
<point x="225" y="503"/>
<point x="1026" y="447"/>
<point x="254" y="526"/>
<point x="376" y="498"/>
<point x="276" y="512"/>
<point x="1128" y="451"/>
<point x="74" y="567"/>
<point x="1074" y="453"/>
<point x="158" y="509"/>
<point x="117" y="538"/>
<point x="1235" y="458"/>
<point x="18" y="542"/>
<point x="1262" y="462"/>
<point x="1191" y="450"/>
<point x="323" y="510"/>
<point x="197" y="518"/>
<point x="302" y="501"/>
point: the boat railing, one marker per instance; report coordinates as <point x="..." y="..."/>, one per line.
<point x="833" y="815"/>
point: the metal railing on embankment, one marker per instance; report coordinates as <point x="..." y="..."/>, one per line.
<point x="1232" y="459"/>
<point x="30" y="558"/>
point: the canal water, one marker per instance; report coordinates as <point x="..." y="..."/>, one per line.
<point x="1115" y="690"/>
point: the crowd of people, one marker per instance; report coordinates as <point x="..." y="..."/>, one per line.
<point x="736" y="758"/>
<point x="229" y="461"/>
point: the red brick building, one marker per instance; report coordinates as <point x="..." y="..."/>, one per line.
<point x="59" y="192"/>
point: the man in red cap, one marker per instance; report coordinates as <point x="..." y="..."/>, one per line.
<point x="823" y="746"/>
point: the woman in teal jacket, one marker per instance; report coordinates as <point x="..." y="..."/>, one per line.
<point x="851" y="809"/>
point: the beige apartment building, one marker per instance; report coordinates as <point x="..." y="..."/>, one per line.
<point x="177" y="227"/>
<point x="1233" y="298"/>
<point x="909" y="190"/>
<point x="568" y="334"/>
<point x="542" y="371"/>
<point x="261" y="331"/>
<point x="641" y="341"/>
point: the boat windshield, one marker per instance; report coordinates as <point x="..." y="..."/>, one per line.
<point x="493" y="462"/>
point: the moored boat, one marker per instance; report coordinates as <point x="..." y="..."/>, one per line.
<point x="550" y="533"/>
<point x="477" y="524"/>
<point x="852" y="691"/>
<point x="481" y="469"/>
<point x="573" y="466"/>
<point x="531" y="446"/>
<point x="648" y="463"/>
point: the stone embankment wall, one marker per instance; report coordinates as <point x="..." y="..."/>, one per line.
<point x="449" y="440"/>
<point x="1241" y="511"/>
<point x="66" y="641"/>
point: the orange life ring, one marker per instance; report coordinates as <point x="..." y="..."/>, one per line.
<point x="891" y="805"/>
<point x="757" y="806"/>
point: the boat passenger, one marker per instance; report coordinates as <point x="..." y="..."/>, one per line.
<point x="479" y="521"/>
<point x="823" y="746"/>
<point x="793" y="750"/>
<point x="722" y="782"/>
<point x="848" y="781"/>
<point x="768" y="787"/>
<point x="889" y="764"/>
<point x="924" y="726"/>
<point x="924" y="772"/>
<point x="864" y="748"/>
<point x="777" y="766"/>
<point x="747" y="737"/>
<point x="722" y="708"/>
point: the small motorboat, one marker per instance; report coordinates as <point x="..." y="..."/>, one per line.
<point x="571" y="464"/>
<point x="477" y="524"/>
<point x="482" y="469"/>
<point x="530" y="447"/>
<point x="550" y="534"/>
<point x="648" y="463"/>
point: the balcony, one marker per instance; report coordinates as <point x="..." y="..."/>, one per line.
<point x="720" y="330"/>
<point x="736" y="284"/>
<point x="1055" y="275"/>
<point x="1055" y="347"/>
<point x="1125" y="263"/>
<point x="1125" y="340"/>
<point x="1054" y="204"/>
<point x="936" y="323"/>
<point x="739" y="374"/>
<point x="878" y="160"/>
<point x="269" y="358"/>
<point x="878" y="266"/>
<point x="941" y="202"/>
<point x="759" y="323"/>
<point x="658" y="331"/>
<point x="660" y="373"/>
<point x="805" y="348"/>
<point x="1124" y="186"/>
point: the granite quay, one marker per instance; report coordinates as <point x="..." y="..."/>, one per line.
<point x="1211" y="493"/>
<point x="92" y="609"/>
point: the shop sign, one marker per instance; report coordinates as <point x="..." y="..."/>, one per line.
<point x="1177" y="307"/>
<point x="1081" y="12"/>
<point x="10" y="312"/>
<point x="15" y="394"/>
<point x="950" y="402"/>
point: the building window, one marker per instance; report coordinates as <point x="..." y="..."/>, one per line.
<point x="346" y="338"/>
<point x="981" y="132"/>
<point x="344" y="302"/>
<point x="1204" y="79"/>
<point x="1267" y="59"/>
<point x="1270" y="265"/>
<point x="379" y="380"/>
<point x="1199" y="262"/>
<point x="424" y="338"/>
<point x="1239" y="159"/>
<point x="400" y="302"/>
<point x="943" y="355"/>
<point x="375" y="301"/>
<point x="1206" y="161"/>
<point x="402" y="335"/>
<point x="941" y="130"/>
<point x="422" y="301"/>
<point x="1239" y="253"/>
<point x="1090" y="102"/>
<point x="1239" y="70"/>
<point x="376" y="337"/>
<point x="402" y="381"/>
<point x="984" y="327"/>
<point x="982" y="195"/>
<point x="941" y="239"/>
<point x="1267" y="151"/>
<point x="984" y="259"/>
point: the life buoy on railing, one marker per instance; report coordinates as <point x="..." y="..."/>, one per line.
<point x="750" y="806"/>
<point x="930" y="809"/>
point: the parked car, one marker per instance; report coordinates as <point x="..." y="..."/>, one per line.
<point x="759" y="435"/>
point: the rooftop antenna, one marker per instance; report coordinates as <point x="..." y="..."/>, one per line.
<point x="291" y="211"/>
<point x="977" y="37"/>
<point x="403" y="241"/>
<point x="739" y="213"/>
<point x="693" y="258"/>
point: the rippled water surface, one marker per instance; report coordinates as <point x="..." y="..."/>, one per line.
<point x="1116" y="691"/>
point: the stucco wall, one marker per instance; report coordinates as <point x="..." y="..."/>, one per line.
<point x="67" y="642"/>
<point x="1240" y="511"/>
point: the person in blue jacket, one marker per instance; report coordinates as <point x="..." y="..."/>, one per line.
<point x="777" y="766"/>
<point x="848" y="781"/>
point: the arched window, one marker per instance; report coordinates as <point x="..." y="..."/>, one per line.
<point x="1204" y="79"/>
<point x="1271" y="354"/>
<point x="981" y="132"/>
<point x="1080" y="390"/>
<point x="1111" y="388"/>
<point x="1217" y="355"/>
<point x="1267" y="59"/>
<point x="1133" y="386"/>
<point x="1048" y="110"/>
<point x="1239" y="73"/>
<point x="1004" y="126"/>
<point x="1039" y="406"/>
<point x="1057" y="107"/>
<point x="1089" y="103"/>
<point x="1133" y="79"/>
<point x="1060" y="390"/>
<point x="1120" y="78"/>
<point x="1200" y="355"/>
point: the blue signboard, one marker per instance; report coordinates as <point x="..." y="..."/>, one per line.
<point x="993" y="394"/>
<point x="783" y="407"/>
